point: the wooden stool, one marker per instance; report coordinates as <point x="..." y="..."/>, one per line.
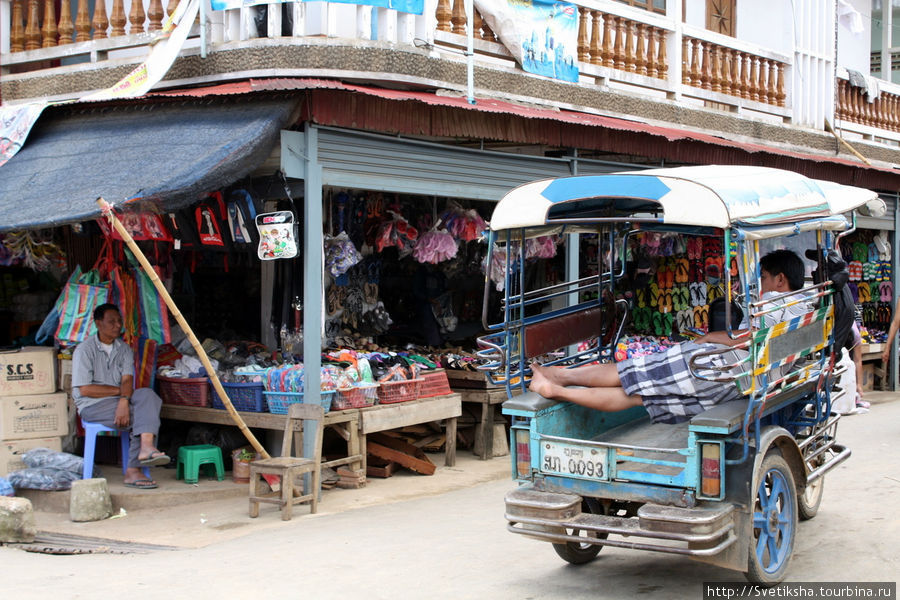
<point x="288" y="467"/>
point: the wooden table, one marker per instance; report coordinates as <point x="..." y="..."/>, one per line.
<point x="345" y="422"/>
<point x="352" y="424"/>
<point x="392" y="416"/>
<point x="488" y="398"/>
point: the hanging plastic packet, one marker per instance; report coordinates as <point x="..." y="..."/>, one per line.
<point x="277" y="235"/>
<point x="340" y="254"/>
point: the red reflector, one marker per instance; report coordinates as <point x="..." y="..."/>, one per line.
<point x="523" y="453"/>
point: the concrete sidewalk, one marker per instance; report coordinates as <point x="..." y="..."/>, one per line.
<point x="196" y="515"/>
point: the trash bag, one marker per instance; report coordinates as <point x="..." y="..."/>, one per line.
<point x="43" y="479"/>
<point x="6" y="488"/>
<point x="38" y="458"/>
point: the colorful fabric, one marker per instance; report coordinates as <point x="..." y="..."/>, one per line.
<point x="668" y="390"/>
<point x="80" y="296"/>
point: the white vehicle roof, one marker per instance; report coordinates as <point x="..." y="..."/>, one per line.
<point x="703" y="196"/>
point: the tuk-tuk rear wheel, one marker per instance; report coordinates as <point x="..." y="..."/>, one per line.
<point x="808" y="502"/>
<point x="773" y="522"/>
<point x="580" y="553"/>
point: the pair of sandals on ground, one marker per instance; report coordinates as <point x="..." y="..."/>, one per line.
<point x="156" y="458"/>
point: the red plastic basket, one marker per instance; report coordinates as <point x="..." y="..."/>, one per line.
<point x="435" y="384"/>
<point x="360" y="396"/>
<point x="399" y="391"/>
<point x="186" y="392"/>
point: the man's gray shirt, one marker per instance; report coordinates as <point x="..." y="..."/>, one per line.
<point x="92" y="365"/>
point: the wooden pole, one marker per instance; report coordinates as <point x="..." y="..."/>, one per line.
<point x="846" y="144"/>
<point x="107" y="209"/>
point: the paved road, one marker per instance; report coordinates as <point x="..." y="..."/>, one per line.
<point x="455" y="546"/>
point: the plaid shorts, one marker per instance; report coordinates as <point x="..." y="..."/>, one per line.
<point x="668" y="390"/>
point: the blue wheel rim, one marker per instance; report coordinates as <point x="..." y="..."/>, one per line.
<point x="773" y="521"/>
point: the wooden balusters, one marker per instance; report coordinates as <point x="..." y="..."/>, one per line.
<point x="458" y="17"/>
<point x="442" y="14"/>
<point x="17" y="30"/>
<point x="652" y="71"/>
<point x="715" y="79"/>
<point x="487" y="33"/>
<point x="155" y="15"/>
<point x="629" y="46"/>
<point x="771" y="94"/>
<point x="685" y="60"/>
<point x="608" y="52"/>
<point x="734" y="58"/>
<point x="66" y="27"/>
<point x="662" y="65"/>
<point x="762" y="84"/>
<point x="49" y="31"/>
<point x="100" y="22"/>
<point x="619" y="48"/>
<point x="33" y="26"/>
<point x="696" y="73"/>
<point x="582" y="44"/>
<point x="779" y="85"/>
<point x="82" y="22"/>
<point x="840" y="104"/>
<point x="117" y="19"/>
<point x="640" y="58"/>
<point x="595" y="44"/>
<point x="136" y="17"/>
<point x="706" y="68"/>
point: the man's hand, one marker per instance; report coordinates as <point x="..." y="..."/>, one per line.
<point x="123" y="413"/>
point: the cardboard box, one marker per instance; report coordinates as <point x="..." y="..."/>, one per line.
<point x="28" y="371"/>
<point x="31" y="417"/>
<point x="868" y="377"/>
<point x="65" y="374"/>
<point x="11" y="452"/>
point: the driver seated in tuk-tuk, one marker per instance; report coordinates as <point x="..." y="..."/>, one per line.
<point x="662" y="382"/>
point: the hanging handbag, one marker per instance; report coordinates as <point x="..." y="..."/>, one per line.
<point x="277" y="235"/>
<point x="80" y="296"/>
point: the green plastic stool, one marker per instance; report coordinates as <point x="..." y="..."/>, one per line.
<point x="191" y="458"/>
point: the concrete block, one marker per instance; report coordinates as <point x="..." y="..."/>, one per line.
<point x="501" y="444"/>
<point x="16" y="520"/>
<point x="89" y="500"/>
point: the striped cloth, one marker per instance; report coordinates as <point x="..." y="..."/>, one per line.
<point x="668" y="390"/>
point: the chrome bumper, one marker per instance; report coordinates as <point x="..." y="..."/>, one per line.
<point x="705" y="530"/>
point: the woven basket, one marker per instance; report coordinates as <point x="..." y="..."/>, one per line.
<point x="360" y="396"/>
<point x="186" y="392"/>
<point x="279" y="401"/>
<point x="399" y="391"/>
<point x="246" y="397"/>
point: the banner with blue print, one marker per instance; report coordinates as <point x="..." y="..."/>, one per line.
<point x="415" y="7"/>
<point x="542" y="35"/>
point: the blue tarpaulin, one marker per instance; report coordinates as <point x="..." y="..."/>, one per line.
<point x="172" y="154"/>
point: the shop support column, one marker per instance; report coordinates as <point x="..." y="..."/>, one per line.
<point x="312" y="270"/>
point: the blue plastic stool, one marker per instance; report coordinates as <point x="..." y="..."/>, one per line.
<point x="91" y="431"/>
<point x="191" y="458"/>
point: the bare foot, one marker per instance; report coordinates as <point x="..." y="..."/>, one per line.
<point x="540" y="384"/>
<point x="551" y="374"/>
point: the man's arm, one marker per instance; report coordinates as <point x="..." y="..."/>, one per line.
<point x="889" y="342"/>
<point x="722" y="337"/>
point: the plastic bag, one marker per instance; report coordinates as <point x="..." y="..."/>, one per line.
<point x="43" y="479"/>
<point x="38" y="458"/>
<point x="6" y="488"/>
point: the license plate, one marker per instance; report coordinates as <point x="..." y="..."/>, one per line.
<point x="576" y="461"/>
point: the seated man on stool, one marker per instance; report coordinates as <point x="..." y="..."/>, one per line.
<point x="102" y="387"/>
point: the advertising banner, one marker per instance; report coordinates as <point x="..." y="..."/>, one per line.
<point x="542" y="35"/>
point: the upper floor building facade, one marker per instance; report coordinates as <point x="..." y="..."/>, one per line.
<point x="791" y="75"/>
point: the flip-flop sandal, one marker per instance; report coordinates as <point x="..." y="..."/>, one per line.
<point x="685" y="320"/>
<point x="682" y="270"/>
<point x="142" y="484"/>
<point x="855" y="269"/>
<point x="640" y="297"/>
<point x="865" y="294"/>
<point x="157" y="459"/>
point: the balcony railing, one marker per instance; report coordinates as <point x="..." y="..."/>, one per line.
<point x="878" y="120"/>
<point x="619" y="47"/>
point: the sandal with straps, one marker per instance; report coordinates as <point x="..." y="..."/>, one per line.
<point x="684" y="320"/>
<point x="865" y="294"/>
<point x="682" y="269"/>
<point x="640" y="297"/>
<point x="886" y="291"/>
<point x="653" y="300"/>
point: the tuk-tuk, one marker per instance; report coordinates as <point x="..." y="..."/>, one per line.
<point x="726" y="486"/>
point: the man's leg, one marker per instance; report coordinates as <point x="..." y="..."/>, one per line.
<point x="607" y="399"/>
<point x="145" y="406"/>
<point x="602" y="375"/>
<point x="104" y="412"/>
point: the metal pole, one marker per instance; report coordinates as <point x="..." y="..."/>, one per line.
<point x="470" y="50"/>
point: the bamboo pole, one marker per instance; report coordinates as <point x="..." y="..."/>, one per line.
<point x="107" y="209"/>
<point x="846" y="144"/>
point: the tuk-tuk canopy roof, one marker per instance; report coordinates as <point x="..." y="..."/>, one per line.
<point x="703" y="196"/>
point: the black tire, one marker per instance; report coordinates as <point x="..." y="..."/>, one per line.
<point x="773" y="525"/>
<point x="580" y="553"/>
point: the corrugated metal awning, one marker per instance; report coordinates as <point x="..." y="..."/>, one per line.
<point x="439" y="116"/>
<point x="171" y="154"/>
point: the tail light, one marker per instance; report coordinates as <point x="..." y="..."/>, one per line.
<point x="711" y="470"/>
<point x="523" y="453"/>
